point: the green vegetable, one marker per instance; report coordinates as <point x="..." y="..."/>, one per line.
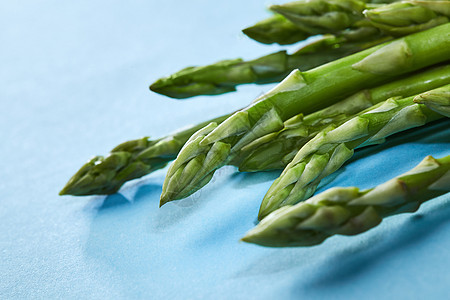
<point x="397" y="19"/>
<point x="301" y="92"/>
<point x="224" y="76"/>
<point x="322" y="16"/>
<point x="332" y="147"/>
<point x="349" y="211"/>
<point x="129" y="160"/>
<point x="276" y="29"/>
<point x="402" y="18"/>
<point x="437" y="100"/>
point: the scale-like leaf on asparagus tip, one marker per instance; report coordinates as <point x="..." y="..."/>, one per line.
<point x="437" y="100"/>
<point x="322" y="16"/>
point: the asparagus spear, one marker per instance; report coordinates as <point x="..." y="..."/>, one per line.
<point x="332" y="147"/>
<point x="224" y="76"/>
<point x="276" y="149"/>
<point x="437" y="100"/>
<point x="349" y="211"/>
<point x="276" y="29"/>
<point x="395" y="19"/>
<point x="322" y="16"/>
<point x="306" y="92"/>
<point x="129" y="160"/>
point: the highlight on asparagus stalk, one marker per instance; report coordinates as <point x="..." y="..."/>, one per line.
<point x="276" y="29"/>
<point x="276" y="149"/>
<point x="349" y="211"/>
<point x="332" y="147"/>
<point x="224" y="76"/>
<point x="301" y="92"/>
<point x="129" y="160"/>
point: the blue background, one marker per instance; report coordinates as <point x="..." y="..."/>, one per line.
<point x="74" y="83"/>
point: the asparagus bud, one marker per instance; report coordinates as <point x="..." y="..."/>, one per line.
<point x="349" y="211"/>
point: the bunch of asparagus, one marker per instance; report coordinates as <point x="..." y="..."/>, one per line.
<point x="377" y="69"/>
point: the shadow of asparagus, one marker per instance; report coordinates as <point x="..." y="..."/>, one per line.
<point x="352" y="262"/>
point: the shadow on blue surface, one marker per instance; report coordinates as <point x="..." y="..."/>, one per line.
<point x="352" y="262"/>
<point x="245" y="179"/>
<point x="340" y="262"/>
<point x="143" y="192"/>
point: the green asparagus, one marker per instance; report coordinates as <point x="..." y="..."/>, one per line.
<point x="332" y="147"/>
<point x="301" y="92"/>
<point x="402" y="18"/>
<point x="129" y="160"/>
<point x="322" y="16"/>
<point x="349" y="211"/>
<point x="273" y="151"/>
<point x="276" y="29"/>
<point x="224" y="76"/>
<point x="437" y="100"/>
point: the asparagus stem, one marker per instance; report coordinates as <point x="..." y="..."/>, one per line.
<point x="349" y="211"/>
<point x="276" y="149"/>
<point x="301" y="92"/>
<point x="224" y="76"/>
<point x="332" y="147"/>
<point x="129" y="160"/>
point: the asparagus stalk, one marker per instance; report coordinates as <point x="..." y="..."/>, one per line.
<point x="301" y="92"/>
<point x="397" y="19"/>
<point x="276" y="29"/>
<point x="129" y="160"/>
<point x="224" y="76"/>
<point x="332" y="147"/>
<point x="276" y="149"/>
<point x="349" y="211"/>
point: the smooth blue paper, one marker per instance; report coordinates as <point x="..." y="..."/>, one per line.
<point x="74" y="83"/>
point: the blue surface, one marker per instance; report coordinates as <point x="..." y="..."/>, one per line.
<point x="74" y="81"/>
